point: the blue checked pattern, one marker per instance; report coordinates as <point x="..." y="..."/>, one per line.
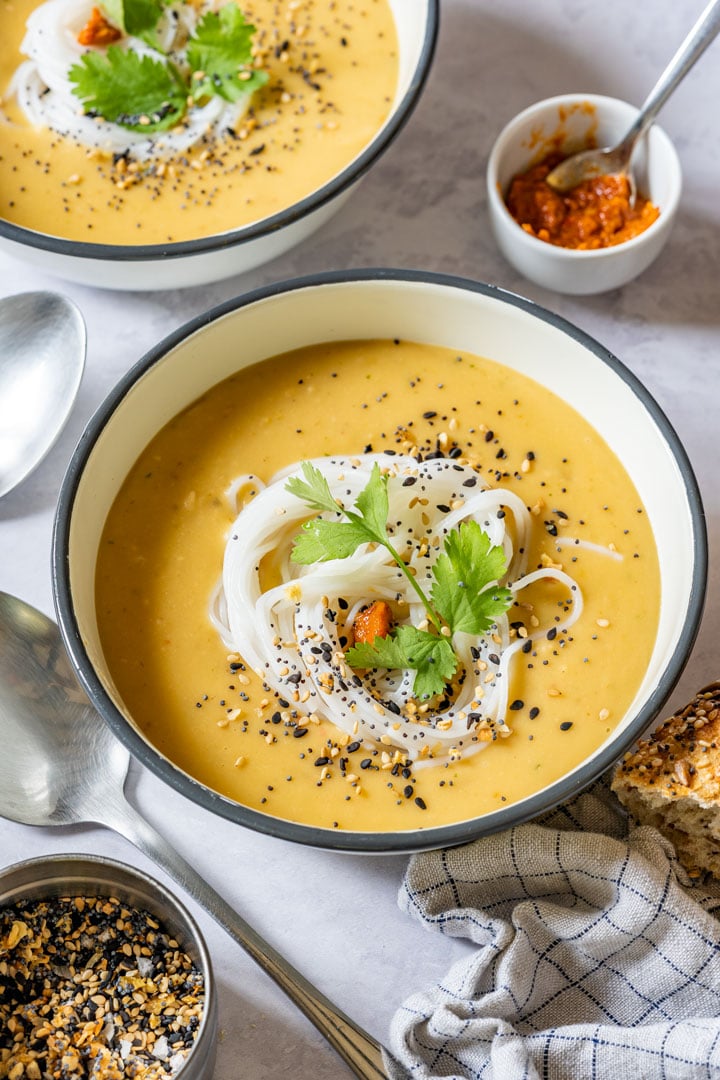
<point x="596" y="959"/>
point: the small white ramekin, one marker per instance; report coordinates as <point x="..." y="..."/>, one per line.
<point x="568" y="123"/>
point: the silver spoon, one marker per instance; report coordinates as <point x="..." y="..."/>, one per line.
<point x="42" y="356"/>
<point x="61" y="765"/>
<point x="616" y="160"/>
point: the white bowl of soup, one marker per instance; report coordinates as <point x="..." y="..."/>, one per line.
<point x="90" y="194"/>
<point x="231" y="529"/>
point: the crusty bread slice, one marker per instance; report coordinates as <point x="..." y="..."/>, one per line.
<point x="672" y="781"/>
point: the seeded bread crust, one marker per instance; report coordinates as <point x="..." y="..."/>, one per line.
<point x="672" y="781"/>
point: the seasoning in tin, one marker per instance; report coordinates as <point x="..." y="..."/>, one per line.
<point x="91" y="987"/>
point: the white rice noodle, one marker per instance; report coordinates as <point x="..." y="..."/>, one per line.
<point x="290" y="633"/>
<point x="45" y="95"/>
<point x="588" y="545"/>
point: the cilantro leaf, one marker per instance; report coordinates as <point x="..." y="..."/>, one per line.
<point x="220" y="51"/>
<point x="373" y="504"/>
<point x="429" y="655"/>
<point x="313" y="490"/>
<point x="127" y="89"/>
<point x="464" y="590"/>
<point x="136" y="17"/>
<point x="321" y="540"/>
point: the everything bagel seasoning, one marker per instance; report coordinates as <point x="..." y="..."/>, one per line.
<point x="92" y="987"/>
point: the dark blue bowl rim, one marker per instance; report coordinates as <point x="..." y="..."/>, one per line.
<point x="123" y="253"/>
<point x="373" y="842"/>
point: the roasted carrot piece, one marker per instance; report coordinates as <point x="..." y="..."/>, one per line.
<point x="98" y="31"/>
<point x="373" y="621"/>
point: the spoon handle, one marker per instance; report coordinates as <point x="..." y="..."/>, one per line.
<point x="358" y="1048"/>
<point x="700" y="36"/>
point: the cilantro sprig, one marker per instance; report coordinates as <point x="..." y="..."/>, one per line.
<point x="464" y="596"/>
<point x="430" y="656"/>
<point x="158" y="92"/>
<point x="220" y="52"/>
<point x="321" y="539"/>
<point x="150" y="93"/>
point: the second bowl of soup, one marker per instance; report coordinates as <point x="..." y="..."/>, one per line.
<point x="264" y="118"/>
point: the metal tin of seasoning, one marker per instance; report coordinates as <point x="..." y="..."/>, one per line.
<point x="50" y="878"/>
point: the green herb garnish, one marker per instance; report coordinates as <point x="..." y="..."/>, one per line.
<point x="119" y="80"/>
<point x="464" y="596"/>
<point x="462" y="589"/>
<point x="431" y="656"/>
<point x="148" y="93"/>
<point x="220" y="50"/>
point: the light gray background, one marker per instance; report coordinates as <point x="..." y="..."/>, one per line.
<point x="423" y="205"/>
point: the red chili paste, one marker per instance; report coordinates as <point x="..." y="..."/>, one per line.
<point x="595" y="214"/>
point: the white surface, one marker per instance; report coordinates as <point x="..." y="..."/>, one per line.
<point x="423" y="206"/>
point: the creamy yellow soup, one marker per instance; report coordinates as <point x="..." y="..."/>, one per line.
<point x="162" y="552"/>
<point x="333" y="69"/>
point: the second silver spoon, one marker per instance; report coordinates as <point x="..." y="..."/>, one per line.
<point x="42" y="356"/>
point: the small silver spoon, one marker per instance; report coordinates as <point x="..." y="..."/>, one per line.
<point x="42" y="356"/>
<point x="61" y="765"/>
<point x="616" y="160"/>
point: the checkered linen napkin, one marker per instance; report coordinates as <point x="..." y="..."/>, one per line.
<point x="595" y="956"/>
